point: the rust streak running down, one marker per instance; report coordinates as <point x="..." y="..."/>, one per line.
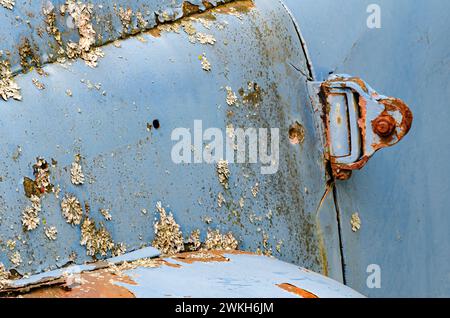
<point x="296" y="290"/>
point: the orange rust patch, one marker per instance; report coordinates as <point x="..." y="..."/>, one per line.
<point x="242" y="6"/>
<point x="98" y="284"/>
<point x="189" y="8"/>
<point x="155" y="32"/>
<point x="170" y="264"/>
<point x="296" y="290"/>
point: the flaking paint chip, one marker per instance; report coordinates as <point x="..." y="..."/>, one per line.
<point x="218" y="241"/>
<point x="39" y="85"/>
<point x="76" y="172"/>
<point x="231" y="96"/>
<point x="106" y="214"/>
<point x="96" y="239"/>
<point x="4" y="276"/>
<point x="220" y="200"/>
<point x="8" y="4"/>
<point x="30" y="215"/>
<point x="15" y="259"/>
<point x="71" y="209"/>
<point x="223" y="173"/>
<point x="255" y="190"/>
<point x="206" y="65"/>
<point x="193" y="241"/>
<point x="51" y="233"/>
<point x="355" y="222"/>
<point x="8" y="86"/>
<point x="168" y="236"/>
<point x="204" y="38"/>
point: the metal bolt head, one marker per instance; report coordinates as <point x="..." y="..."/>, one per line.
<point x="384" y="125"/>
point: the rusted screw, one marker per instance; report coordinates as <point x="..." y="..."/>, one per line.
<point x="384" y="125"/>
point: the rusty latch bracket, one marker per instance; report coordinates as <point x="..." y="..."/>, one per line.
<point x="357" y="121"/>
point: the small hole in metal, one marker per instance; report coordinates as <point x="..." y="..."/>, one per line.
<point x="296" y="133"/>
<point x="156" y="124"/>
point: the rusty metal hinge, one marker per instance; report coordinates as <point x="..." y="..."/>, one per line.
<point x="357" y="121"/>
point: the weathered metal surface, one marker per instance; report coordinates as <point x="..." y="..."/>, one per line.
<point x="401" y="196"/>
<point x="67" y="276"/>
<point x="358" y="121"/>
<point x="239" y="275"/>
<point x="197" y="274"/>
<point x="115" y="122"/>
<point x="59" y="276"/>
<point x="44" y="29"/>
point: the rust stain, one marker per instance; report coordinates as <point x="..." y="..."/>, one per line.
<point x="296" y="290"/>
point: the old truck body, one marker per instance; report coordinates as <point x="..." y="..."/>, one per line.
<point x="98" y="96"/>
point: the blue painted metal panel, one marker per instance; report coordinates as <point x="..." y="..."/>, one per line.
<point x="402" y="195"/>
<point x="129" y="168"/>
<point x="243" y="276"/>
